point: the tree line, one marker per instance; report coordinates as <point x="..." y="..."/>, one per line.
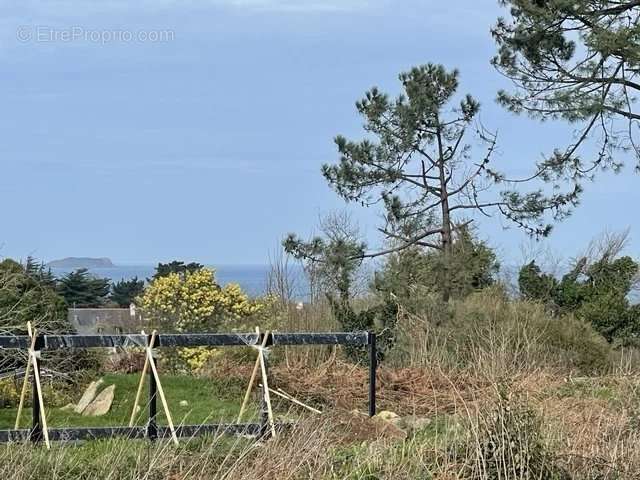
<point x="426" y="164"/>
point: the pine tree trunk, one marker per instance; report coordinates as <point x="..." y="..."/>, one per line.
<point x="447" y="247"/>
<point x="447" y="240"/>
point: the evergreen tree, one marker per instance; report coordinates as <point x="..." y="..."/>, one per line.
<point x="125" y="292"/>
<point x="595" y="292"/>
<point x="39" y="272"/>
<point x="164" y="269"/>
<point x="24" y="298"/>
<point x="535" y="285"/>
<point x="414" y="271"/>
<point x="28" y="295"/>
<point x="82" y="290"/>
<point x="420" y="168"/>
<point x="575" y="60"/>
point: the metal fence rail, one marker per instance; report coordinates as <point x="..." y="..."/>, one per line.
<point x="152" y="431"/>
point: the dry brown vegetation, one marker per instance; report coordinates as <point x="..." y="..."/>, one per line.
<point x="503" y="392"/>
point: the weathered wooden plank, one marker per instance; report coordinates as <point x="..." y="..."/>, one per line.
<point x="21" y="342"/>
<point x="55" y="342"/>
<point x="95" y="433"/>
<point x="17" y="436"/>
<point x="186" y="431"/>
<point x="207" y="339"/>
<point x="322" y="338"/>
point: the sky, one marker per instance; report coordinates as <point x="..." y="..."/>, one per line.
<point x="146" y="131"/>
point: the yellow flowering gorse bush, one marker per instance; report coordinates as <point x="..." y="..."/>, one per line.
<point x="193" y="302"/>
<point x="197" y="357"/>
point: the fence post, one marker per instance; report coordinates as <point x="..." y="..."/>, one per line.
<point x="373" y="366"/>
<point x="36" y="423"/>
<point x="152" y="427"/>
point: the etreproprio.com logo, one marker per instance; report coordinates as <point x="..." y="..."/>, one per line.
<point x="77" y="33"/>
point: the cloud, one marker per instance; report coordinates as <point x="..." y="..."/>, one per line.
<point x="26" y="15"/>
<point x="167" y="165"/>
<point x="300" y="5"/>
<point x="82" y="7"/>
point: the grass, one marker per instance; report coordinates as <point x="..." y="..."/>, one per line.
<point x="589" y="388"/>
<point x="208" y="401"/>
<point x="507" y="394"/>
<point x="548" y="433"/>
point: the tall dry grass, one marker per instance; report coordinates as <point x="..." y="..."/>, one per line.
<point x="497" y="337"/>
<point x="505" y="436"/>
<point x="508" y="393"/>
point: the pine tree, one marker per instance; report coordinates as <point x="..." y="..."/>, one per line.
<point x="578" y="61"/>
<point x="80" y="289"/>
<point x="164" y="269"/>
<point x="419" y="166"/>
<point x="125" y="292"/>
<point x="473" y="267"/>
<point x="39" y="272"/>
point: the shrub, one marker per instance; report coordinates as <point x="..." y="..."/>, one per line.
<point x="509" y="445"/>
<point x="596" y="292"/>
<point x="27" y="294"/>
<point x="194" y="301"/>
<point x="380" y="318"/>
<point x="498" y="337"/>
<point x="409" y="273"/>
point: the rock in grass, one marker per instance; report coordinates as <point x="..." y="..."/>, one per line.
<point x="413" y="423"/>
<point x="68" y="407"/>
<point x="88" y="396"/>
<point x="358" y="413"/>
<point x="101" y="404"/>
<point x="184" y="403"/>
<point x="387" y="425"/>
<point x="388" y="429"/>
<point x="386" y="415"/>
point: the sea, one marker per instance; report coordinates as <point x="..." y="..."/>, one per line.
<point x="252" y="278"/>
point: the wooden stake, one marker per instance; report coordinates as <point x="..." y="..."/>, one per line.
<point x="141" y="384"/>
<point x="267" y="397"/>
<point x="26" y="376"/>
<point x="281" y="393"/>
<point x="43" y="416"/>
<point x="254" y="373"/>
<point x="152" y="364"/>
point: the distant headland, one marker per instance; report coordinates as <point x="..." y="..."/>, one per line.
<point x="81" y="262"/>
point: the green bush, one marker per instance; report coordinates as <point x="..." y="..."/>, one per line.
<point x="410" y="273"/>
<point x="497" y="335"/>
<point x="576" y="344"/>
<point x="596" y="292"/>
<point x="380" y="318"/>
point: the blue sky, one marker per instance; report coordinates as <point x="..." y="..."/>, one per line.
<point x="207" y="143"/>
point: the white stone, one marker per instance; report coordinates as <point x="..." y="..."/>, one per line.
<point x="101" y="404"/>
<point x="88" y="396"/>
<point x="387" y="415"/>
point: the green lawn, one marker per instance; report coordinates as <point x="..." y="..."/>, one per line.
<point x="209" y="401"/>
